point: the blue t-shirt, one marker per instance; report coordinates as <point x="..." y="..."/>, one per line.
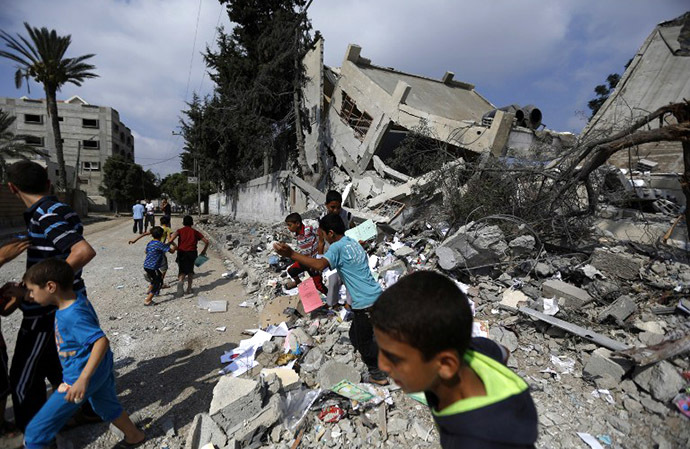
<point x="155" y="251"/>
<point x="76" y="330"/>
<point x="138" y="211"/>
<point x="349" y="258"/>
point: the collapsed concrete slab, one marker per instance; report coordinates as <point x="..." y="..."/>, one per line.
<point x="619" y="310"/>
<point x="604" y="369"/>
<point x="572" y="296"/>
<point x="333" y="372"/>
<point x="228" y="390"/>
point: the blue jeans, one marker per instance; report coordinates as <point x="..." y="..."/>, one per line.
<point x="55" y="413"/>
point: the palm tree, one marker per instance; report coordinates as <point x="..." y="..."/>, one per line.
<point x="42" y="57"/>
<point x="12" y="145"/>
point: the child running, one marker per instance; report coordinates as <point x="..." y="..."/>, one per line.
<point x="187" y="252"/>
<point x="85" y="356"/>
<point x="423" y="327"/>
<point x="307" y="241"/>
<point x="167" y="232"/>
<point x="155" y="255"/>
<point x="348" y="257"/>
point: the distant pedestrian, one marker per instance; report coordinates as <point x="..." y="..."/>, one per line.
<point x="187" y="252"/>
<point x="166" y="209"/>
<point x="138" y="211"/>
<point x="85" y="355"/>
<point x="150" y="217"/>
<point x="155" y="255"/>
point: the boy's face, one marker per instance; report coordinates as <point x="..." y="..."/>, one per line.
<point x="334" y="207"/>
<point x="45" y="295"/>
<point x="407" y="367"/>
<point x="329" y="237"/>
<point x="293" y="226"/>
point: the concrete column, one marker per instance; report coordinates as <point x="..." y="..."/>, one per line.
<point x="500" y="131"/>
<point x="402" y="90"/>
<point x="448" y="78"/>
<point x="352" y="53"/>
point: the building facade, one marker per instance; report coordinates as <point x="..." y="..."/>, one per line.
<point x="90" y="135"/>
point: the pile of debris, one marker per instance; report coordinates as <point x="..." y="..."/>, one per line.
<point x="600" y="335"/>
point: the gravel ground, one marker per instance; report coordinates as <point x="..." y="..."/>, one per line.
<point x="167" y="357"/>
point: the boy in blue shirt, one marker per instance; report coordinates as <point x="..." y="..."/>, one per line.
<point x="423" y="327"/>
<point x="348" y="257"/>
<point x="85" y="356"/>
<point x="155" y="260"/>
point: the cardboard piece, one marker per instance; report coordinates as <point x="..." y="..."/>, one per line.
<point x="272" y="313"/>
<point x="309" y="295"/>
<point x="363" y="232"/>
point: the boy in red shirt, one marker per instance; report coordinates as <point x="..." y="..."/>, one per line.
<point x="307" y="242"/>
<point x="187" y="252"/>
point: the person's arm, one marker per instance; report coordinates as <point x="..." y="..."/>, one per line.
<point x="11" y="293"/>
<point x="322" y="242"/>
<point x="309" y="262"/>
<point x="80" y="254"/>
<point x="203" y="251"/>
<point x="140" y="236"/>
<point x="12" y="250"/>
<point x="78" y="390"/>
<point x="173" y="248"/>
<point x="173" y="237"/>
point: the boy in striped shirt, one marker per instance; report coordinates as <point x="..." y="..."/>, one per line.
<point x="307" y="243"/>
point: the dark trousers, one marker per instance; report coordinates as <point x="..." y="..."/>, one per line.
<point x="156" y="280"/>
<point x="138" y="223"/>
<point x="362" y="338"/>
<point x="35" y="360"/>
<point x="149" y="220"/>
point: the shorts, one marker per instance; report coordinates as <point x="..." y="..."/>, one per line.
<point x="185" y="261"/>
<point x="164" y="263"/>
<point x="156" y="280"/>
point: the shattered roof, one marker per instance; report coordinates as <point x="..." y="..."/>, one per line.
<point x="456" y="101"/>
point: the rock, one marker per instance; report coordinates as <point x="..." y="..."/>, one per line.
<point x="522" y="245"/>
<point x="602" y="365"/>
<point x="269" y="347"/>
<point x="242" y="409"/>
<point x="662" y="381"/>
<point x="205" y="430"/>
<point x="573" y="297"/>
<point x="404" y="251"/>
<point x="512" y="298"/>
<point x="249" y="432"/>
<point x="650" y="338"/>
<point x="228" y="390"/>
<point x="619" y="310"/>
<point x="397" y="425"/>
<point x="333" y="372"/>
<point x="448" y="258"/>
<point x="297" y="337"/>
<point x="622" y="265"/>
<point x="543" y="270"/>
<point x="505" y="337"/>
<point x="314" y="359"/>
<point x="287" y="376"/>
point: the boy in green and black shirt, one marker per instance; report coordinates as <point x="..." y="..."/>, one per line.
<point x="423" y="327"/>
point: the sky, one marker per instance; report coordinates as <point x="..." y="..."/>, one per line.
<point x="148" y="52"/>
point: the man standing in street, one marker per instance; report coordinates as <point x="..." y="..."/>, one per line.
<point x="138" y="215"/>
<point x="149" y="218"/>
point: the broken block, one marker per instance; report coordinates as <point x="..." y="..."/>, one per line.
<point x="619" y="310"/>
<point x="333" y="372"/>
<point x="522" y="245"/>
<point x="205" y="430"/>
<point x="573" y="297"/>
<point x="662" y="381"/>
<point x="228" y="390"/>
<point x="601" y="365"/>
<point x="622" y="265"/>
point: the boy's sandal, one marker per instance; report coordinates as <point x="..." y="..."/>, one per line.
<point x="125" y="445"/>
<point x="150" y="303"/>
<point x="368" y="378"/>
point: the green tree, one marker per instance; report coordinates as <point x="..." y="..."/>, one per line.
<point x="12" y="145"/>
<point x="257" y="70"/>
<point x="42" y="57"/>
<point x="183" y="192"/>
<point x="125" y="182"/>
<point x="604" y="90"/>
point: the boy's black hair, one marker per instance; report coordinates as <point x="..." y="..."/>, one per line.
<point x="187" y="220"/>
<point x="427" y="311"/>
<point x="165" y="220"/>
<point x="28" y="177"/>
<point x="55" y="270"/>
<point x="333" y="195"/>
<point x="293" y="218"/>
<point x="332" y="222"/>
<point x="157" y="232"/>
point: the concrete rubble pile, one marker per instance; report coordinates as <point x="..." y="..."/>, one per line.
<point x="577" y="324"/>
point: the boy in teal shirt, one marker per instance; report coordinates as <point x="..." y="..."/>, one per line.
<point x="348" y="257"/>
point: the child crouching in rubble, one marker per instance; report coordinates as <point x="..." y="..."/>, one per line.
<point x="85" y="356"/>
<point x="348" y="257"/>
<point x="423" y="327"/>
<point x="307" y="240"/>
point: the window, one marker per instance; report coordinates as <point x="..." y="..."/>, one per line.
<point x="129" y="141"/>
<point x="357" y="120"/>
<point x="89" y="123"/>
<point x="90" y="144"/>
<point x="122" y="137"/>
<point x="116" y="128"/>
<point x="34" y="141"/>
<point x="117" y="148"/>
<point x="91" y="166"/>
<point x="33" y="118"/>
<point x="61" y="119"/>
<point x="83" y="180"/>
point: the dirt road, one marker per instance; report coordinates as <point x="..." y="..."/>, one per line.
<point x="167" y="357"/>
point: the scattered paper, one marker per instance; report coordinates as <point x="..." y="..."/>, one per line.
<point x="480" y="328"/>
<point x="564" y="364"/>
<point x="309" y="295"/>
<point x="590" y="440"/>
<point x="280" y="330"/>
<point x="118" y="268"/>
<point x="351" y="391"/>
<point x="244" y="304"/>
<point x="221" y="329"/>
<point x="592" y="272"/>
<point x="363" y="232"/>
<point x="550" y="306"/>
<point x="604" y="394"/>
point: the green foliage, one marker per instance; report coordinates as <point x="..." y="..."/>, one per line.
<point x="246" y="127"/>
<point x="125" y="182"/>
<point x="182" y="192"/>
<point x="604" y="90"/>
<point x="42" y="57"/>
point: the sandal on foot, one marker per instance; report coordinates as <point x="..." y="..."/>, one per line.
<point x="125" y="445"/>
<point x="149" y="304"/>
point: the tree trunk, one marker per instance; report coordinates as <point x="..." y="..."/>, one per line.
<point x="51" y="105"/>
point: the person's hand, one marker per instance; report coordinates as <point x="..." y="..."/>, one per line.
<point x="12" y="290"/>
<point x="131" y="241"/>
<point x="76" y="392"/>
<point x="13" y="249"/>
<point x="63" y="388"/>
<point x="283" y="249"/>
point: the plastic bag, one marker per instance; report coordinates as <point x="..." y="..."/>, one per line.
<point x="295" y="406"/>
<point x="200" y="260"/>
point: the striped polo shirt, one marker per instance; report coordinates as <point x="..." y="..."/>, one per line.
<point x="307" y="240"/>
<point x="53" y="228"/>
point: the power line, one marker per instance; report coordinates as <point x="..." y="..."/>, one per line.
<point x="213" y="41"/>
<point x="191" y="60"/>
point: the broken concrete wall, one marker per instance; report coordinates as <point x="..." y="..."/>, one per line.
<point x="262" y="199"/>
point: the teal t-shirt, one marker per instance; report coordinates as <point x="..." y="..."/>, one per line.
<point x="349" y="258"/>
